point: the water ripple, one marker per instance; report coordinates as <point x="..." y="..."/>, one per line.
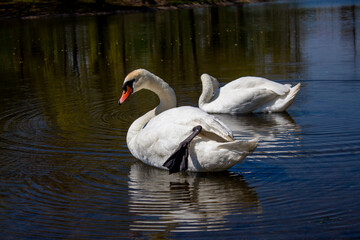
<point x="49" y="169"/>
<point x="189" y="202"/>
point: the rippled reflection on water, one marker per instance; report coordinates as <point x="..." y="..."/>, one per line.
<point x="188" y="202"/>
<point x="65" y="170"/>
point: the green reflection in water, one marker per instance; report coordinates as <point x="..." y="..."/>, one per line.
<point x="74" y="67"/>
<point x="70" y="65"/>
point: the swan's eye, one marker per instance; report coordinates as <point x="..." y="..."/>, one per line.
<point x="128" y="84"/>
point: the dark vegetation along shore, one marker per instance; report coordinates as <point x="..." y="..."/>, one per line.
<point x="35" y="8"/>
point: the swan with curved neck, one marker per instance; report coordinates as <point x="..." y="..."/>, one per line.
<point x="245" y="95"/>
<point x="179" y="138"/>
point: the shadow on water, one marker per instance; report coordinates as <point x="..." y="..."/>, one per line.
<point x="187" y="201"/>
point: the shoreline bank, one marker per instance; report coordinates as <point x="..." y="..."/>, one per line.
<point x="26" y="10"/>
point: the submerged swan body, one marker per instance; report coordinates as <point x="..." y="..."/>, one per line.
<point x="179" y="138"/>
<point x="245" y="95"/>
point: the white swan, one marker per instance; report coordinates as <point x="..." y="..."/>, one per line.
<point x="182" y="138"/>
<point x="245" y="95"/>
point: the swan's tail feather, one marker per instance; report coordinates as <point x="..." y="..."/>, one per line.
<point x="281" y="104"/>
<point x="239" y="149"/>
<point x="291" y="96"/>
<point x="246" y="146"/>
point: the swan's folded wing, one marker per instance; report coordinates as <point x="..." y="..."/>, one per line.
<point x="240" y="101"/>
<point x="212" y="127"/>
<point x="259" y="83"/>
<point x="179" y="122"/>
<point x="216" y="127"/>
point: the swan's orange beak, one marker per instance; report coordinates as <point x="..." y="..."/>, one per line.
<point x="126" y="93"/>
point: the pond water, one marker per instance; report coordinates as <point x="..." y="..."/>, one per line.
<point x="66" y="172"/>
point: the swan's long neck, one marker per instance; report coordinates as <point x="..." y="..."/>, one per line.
<point x="167" y="99"/>
<point x="165" y="93"/>
<point x="207" y="91"/>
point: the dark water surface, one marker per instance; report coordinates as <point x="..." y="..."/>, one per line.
<point x="66" y="172"/>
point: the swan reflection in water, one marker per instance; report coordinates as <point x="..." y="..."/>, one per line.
<point x="187" y="201"/>
<point x="273" y="130"/>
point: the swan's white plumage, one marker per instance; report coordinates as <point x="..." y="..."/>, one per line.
<point x="153" y="137"/>
<point x="245" y="95"/>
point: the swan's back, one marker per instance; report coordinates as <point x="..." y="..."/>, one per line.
<point x="180" y="121"/>
<point x="256" y="83"/>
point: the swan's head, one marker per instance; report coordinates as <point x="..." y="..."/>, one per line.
<point x="207" y="79"/>
<point x="135" y="81"/>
